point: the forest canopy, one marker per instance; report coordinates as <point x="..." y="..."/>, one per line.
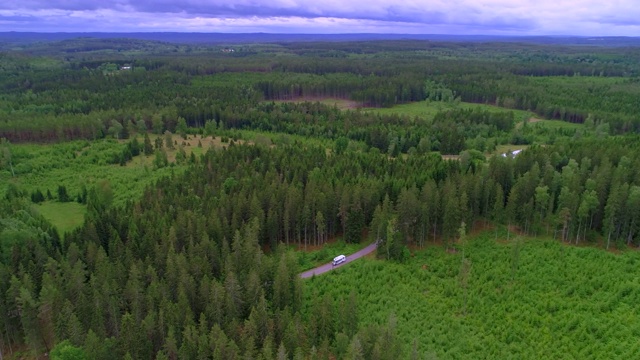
<point x="408" y="144"/>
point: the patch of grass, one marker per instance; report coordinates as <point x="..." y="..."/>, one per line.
<point x="428" y="109"/>
<point x="284" y="139"/>
<point x="342" y="104"/>
<point x="77" y="164"/>
<point x="64" y="216"/>
<point x="581" y="81"/>
<point x="556" y="125"/>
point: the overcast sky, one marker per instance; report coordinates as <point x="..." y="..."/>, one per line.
<point x="499" y="17"/>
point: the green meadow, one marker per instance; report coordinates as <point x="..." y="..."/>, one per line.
<point x="64" y="216"/>
<point x="429" y="109"/>
<point x="76" y="164"/>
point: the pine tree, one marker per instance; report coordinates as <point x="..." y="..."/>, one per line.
<point x="5" y="155"/>
<point x="355" y="350"/>
<point x="282" y="353"/>
<point x="282" y="295"/>
<point x="66" y="351"/>
<point x="182" y="128"/>
<point x="147" y="147"/>
<point x="168" y="140"/>
<point x="63" y="196"/>
<point x="408" y="210"/>
<point x="451" y="217"/>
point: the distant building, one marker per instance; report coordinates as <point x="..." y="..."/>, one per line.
<point x="126" y="67"/>
<point x="512" y="154"/>
<point x="228" y="50"/>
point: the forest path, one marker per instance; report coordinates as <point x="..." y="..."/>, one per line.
<point x="328" y="267"/>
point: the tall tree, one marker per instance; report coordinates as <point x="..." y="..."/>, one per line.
<point x="5" y="155"/>
<point x="147" y="147"/>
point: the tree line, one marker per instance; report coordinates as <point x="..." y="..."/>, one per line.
<point x="75" y="99"/>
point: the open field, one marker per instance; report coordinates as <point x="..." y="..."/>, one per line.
<point x="84" y="163"/>
<point x="64" y="216"/>
<point x="428" y="109"/>
<point x="77" y="164"/>
<point x="555" y="125"/>
<point x="545" y="300"/>
<point x="588" y="82"/>
<point x="342" y="104"/>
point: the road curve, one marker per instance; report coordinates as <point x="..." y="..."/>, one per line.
<point x="328" y="267"/>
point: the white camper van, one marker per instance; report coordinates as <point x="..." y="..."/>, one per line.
<point x="339" y="260"/>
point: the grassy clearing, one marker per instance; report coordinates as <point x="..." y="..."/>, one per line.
<point x="267" y="138"/>
<point x="78" y="164"/>
<point x="64" y="216"/>
<point x="85" y="163"/>
<point x="196" y="144"/>
<point x="582" y="81"/>
<point x="547" y="300"/>
<point x="428" y="109"/>
<point x="342" y="104"/>
<point x="423" y="109"/>
<point x="556" y="125"/>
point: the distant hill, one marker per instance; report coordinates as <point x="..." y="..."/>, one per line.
<point x="22" y="38"/>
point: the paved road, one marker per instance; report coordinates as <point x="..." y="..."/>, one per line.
<point x="328" y="267"/>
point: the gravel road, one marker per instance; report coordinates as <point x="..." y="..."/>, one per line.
<point x="328" y="267"/>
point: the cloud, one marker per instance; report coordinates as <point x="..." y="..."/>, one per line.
<point x="586" y="17"/>
<point x="620" y="19"/>
<point x="17" y="18"/>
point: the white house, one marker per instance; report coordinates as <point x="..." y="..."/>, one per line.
<point x="513" y="153"/>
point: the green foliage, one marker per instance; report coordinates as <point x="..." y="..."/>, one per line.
<point x="50" y="102"/>
<point x="37" y="196"/>
<point x="147" y="147"/>
<point x="161" y="160"/>
<point x="181" y="127"/>
<point x="108" y="68"/>
<point x="391" y="246"/>
<point x="168" y="140"/>
<point x="354" y="226"/>
<point x="5" y="155"/>
<point x="528" y="317"/>
<point x="64" y="216"/>
<point x="63" y="196"/>
<point x="78" y="166"/>
<point x="66" y="351"/>
<point x="341" y="145"/>
<point x="434" y="91"/>
<point x="169" y="261"/>
<point x="471" y="160"/>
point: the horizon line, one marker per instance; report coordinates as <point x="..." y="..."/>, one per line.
<point x="317" y="33"/>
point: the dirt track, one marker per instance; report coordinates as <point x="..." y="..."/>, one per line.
<point x="328" y="267"/>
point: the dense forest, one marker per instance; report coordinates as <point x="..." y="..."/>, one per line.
<point x="202" y="264"/>
<point x="50" y="99"/>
